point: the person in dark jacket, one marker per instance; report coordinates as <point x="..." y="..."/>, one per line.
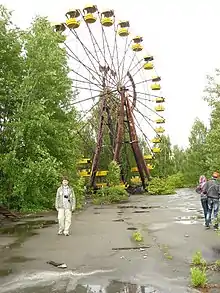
<point x="212" y="190"/>
<point x="204" y="200"/>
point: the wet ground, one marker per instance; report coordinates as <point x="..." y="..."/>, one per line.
<point x="101" y="254"/>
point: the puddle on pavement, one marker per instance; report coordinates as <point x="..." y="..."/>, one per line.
<point x="140" y="212"/>
<point x="24" y="230"/>
<point x="25" y="227"/>
<point x="5" y="272"/>
<point x="158" y="226"/>
<point x="189" y="220"/>
<point x="18" y="259"/>
<point x="68" y="285"/>
<point x="138" y="207"/>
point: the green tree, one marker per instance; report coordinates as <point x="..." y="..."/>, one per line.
<point x="195" y="163"/>
<point x="40" y="139"/>
<point x="213" y="136"/>
<point x="163" y="164"/>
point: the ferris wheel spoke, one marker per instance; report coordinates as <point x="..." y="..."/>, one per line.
<point x="141" y="82"/>
<point x="146" y="119"/>
<point x="128" y="70"/>
<point x="134" y="74"/>
<point x="84" y="88"/>
<point x="147" y="94"/>
<point x="87" y="51"/>
<point x="77" y="73"/>
<point x="139" y="127"/>
<point x="91" y="98"/>
<point x="85" y="82"/>
<point x="84" y="65"/>
<point x="105" y="41"/>
<point x="149" y="109"/>
<point x="122" y="63"/>
<point x="116" y="49"/>
<point x="96" y="44"/>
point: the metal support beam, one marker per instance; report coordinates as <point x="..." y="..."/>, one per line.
<point x="139" y="158"/>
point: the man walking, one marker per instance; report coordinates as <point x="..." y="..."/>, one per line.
<point x="65" y="204"/>
<point x="212" y="190"/>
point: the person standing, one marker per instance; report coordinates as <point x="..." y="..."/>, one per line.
<point x="65" y="203"/>
<point x="204" y="200"/>
<point x="212" y="190"/>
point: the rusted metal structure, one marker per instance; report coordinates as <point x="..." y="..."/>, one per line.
<point x="109" y="70"/>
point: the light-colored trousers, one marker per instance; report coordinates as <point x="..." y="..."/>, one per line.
<point x="64" y="220"/>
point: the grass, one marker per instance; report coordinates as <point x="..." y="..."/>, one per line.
<point x="166" y="253"/>
<point x="137" y="236"/>
<point x="217" y="264"/>
<point x="198" y="260"/>
<point x="198" y="277"/>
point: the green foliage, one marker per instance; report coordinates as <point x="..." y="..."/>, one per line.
<point x="114" y="174"/>
<point x="37" y="142"/>
<point x="217" y="264"/>
<point x="198" y="277"/>
<point x="137" y="236"/>
<point x="158" y="186"/>
<point x="163" y="163"/>
<point x="109" y="195"/>
<point x="177" y="180"/>
<point x="79" y="191"/>
<point x="197" y="259"/>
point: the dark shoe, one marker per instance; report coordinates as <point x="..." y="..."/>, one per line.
<point x="207" y="227"/>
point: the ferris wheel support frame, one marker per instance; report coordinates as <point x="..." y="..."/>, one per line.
<point x="139" y="158"/>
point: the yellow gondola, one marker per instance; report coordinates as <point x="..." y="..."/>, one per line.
<point x="148" y="157"/>
<point x="89" y="11"/>
<point x="148" y="58"/>
<point x="159" y="129"/>
<point x="156" y="78"/>
<point x="123" y="30"/>
<point x="148" y="65"/>
<point x="135" y="180"/>
<point x="159" y="108"/>
<point x="59" y="27"/>
<point x="72" y="22"/>
<point x="156" y="140"/>
<point x="150" y="167"/>
<point x="160" y="100"/>
<point x="85" y="173"/>
<point x="155" y="87"/>
<point x="107" y="18"/>
<point x="156" y="150"/>
<point x="134" y="169"/>
<point x="137" y="47"/>
<point x="160" y="120"/>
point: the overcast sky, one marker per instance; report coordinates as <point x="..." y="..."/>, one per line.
<point x="183" y="36"/>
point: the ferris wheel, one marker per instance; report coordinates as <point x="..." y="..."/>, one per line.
<point x="112" y="72"/>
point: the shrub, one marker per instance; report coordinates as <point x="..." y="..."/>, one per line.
<point x="79" y="192"/>
<point x="198" y="277"/>
<point x="176" y="180"/>
<point x="158" y="186"/>
<point x="197" y="259"/>
<point x="114" y="174"/>
<point x="108" y="195"/>
<point x="217" y="264"/>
